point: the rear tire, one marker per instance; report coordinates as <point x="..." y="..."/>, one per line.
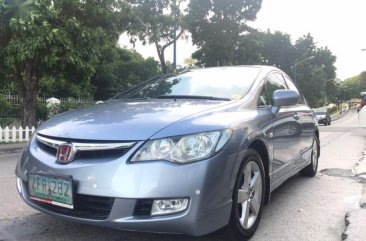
<point x="248" y="197"/>
<point x="312" y="168"/>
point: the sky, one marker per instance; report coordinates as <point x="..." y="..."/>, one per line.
<point x="338" y="24"/>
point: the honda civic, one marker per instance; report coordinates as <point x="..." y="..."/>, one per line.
<point x="189" y="153"/>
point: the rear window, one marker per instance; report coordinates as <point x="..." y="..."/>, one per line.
<point x="320" y="113"/>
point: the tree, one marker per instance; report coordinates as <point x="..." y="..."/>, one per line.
<point x="266" y="48"/>
<point x="57" y="39"/>
<point x="250" y="49"/>
<point x="316" y="77"/>
<point x="314" y="66"/>
<point x="119" y="70"/>
<point x="352" y="87"/>
<point x="153" y="21"/>
<point x="279" y="50"/>
<point x="216" y="26"/>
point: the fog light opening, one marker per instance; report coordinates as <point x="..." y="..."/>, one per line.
<point x="19" y="185"/>
<point x="169" y="206"/>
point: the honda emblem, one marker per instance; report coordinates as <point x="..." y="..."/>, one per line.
<point x="65" y="153"/>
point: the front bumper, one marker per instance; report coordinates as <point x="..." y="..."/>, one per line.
<point x="208" y="184"/>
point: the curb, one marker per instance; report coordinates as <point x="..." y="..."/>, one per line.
<point x="338" y="115"/>
<point x="360" y="169"/>
<point x="355" y="220"/>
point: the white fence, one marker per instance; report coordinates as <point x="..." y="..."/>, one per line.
<point x="15" y="134"/>
<point x="15" y="99"/>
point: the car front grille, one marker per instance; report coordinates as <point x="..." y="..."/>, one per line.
<point x="86" y="149"/>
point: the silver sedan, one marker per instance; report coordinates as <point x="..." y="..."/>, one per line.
<point x="184" y="153"/>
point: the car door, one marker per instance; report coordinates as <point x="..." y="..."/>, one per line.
<point x="286" y="130"/>
<point x="306" y="120"/>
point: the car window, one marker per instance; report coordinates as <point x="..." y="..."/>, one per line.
<point x="292" y="86"/>
<point x="273" y="82"/>
<point x="263" y="99"/>
<point x="320" y="113"/>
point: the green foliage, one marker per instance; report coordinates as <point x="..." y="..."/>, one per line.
<point x="58" y="40"/>
<point x="153" y="22"/>
<point x="6" y="108"/>
<point x="41" y="112"/>
<point x="61" y="88"/>
<point x="332" y="110"/>
<point x="352" y="87"/>
<point x="316" y="76"/>
<point x="7" y="112"/>
<point x="119" y="70"/>
<point x="216" y="27"/>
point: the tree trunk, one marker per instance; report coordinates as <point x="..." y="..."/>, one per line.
<point x="28" y="86"/>
<point x="29" y="107"/>
<point x="160" y="51"/>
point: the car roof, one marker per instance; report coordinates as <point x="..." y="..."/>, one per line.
<point x="262" y="67"/>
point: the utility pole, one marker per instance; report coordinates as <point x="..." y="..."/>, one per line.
<point x="175" y="35"/>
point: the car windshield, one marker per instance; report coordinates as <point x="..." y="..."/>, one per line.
<point x="212" y="83"/>
<point x="320" y="113"/>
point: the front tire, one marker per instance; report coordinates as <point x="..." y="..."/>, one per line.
<point x="248" y="197"/>
<point x="312" y="168"/>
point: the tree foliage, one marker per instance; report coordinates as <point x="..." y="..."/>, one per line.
<point x="216" y="27"/>
<point x="153" y="22"/>
<point x="352" y="87"/>
<point x="119" y="70"/>
<point x="316" y="76"/>
<point x="59" y="39"/>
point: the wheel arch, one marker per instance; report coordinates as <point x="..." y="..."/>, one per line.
<point x="259" y="146"/>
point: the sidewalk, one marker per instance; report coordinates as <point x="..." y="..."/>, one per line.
<point x="10" y="148"/>
<point x="356" y="226"/>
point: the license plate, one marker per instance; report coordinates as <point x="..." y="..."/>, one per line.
<point x="51" y="189"/>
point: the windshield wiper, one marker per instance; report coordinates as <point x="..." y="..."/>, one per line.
<point x="196" y="97"/>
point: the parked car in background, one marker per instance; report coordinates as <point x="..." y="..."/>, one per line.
<point x="184" y="153"/>
<point x="323" y="117"/>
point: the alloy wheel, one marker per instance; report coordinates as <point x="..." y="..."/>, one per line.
<point x="315" y="155"/>
<point x="250" y="195"/>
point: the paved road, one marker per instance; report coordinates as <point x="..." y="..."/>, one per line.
<point x="301" y="209"/>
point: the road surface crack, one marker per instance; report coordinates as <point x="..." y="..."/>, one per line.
<point x="346" y="219"/>
<point x="345" y="173"/>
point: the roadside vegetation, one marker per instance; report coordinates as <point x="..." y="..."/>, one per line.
<point x="69" y="48"/>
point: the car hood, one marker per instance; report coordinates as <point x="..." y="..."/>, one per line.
<point x="119" y="120"/>
<point x="320" y="116"/>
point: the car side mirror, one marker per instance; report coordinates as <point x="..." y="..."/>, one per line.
<point x="284" y="98"/>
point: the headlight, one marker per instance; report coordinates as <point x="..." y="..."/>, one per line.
<point x="183" y="149"/>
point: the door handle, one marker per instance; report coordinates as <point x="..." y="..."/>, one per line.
<point x="296" y="116"/>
